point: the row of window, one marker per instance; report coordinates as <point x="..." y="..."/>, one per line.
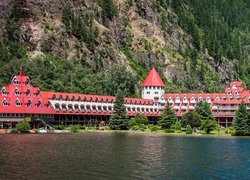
<point x="18" y="103"/>
<point x="17" y="92"/>
<point x="16" y="82"/>
<point x="25" y="115"/>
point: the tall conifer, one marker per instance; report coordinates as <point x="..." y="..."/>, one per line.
<point x="241" y="121"/>
<point x="168" y="117"/>
<point x="119" y="120"/>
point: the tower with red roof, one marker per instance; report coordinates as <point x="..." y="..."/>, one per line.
<point x="153" y="86"/>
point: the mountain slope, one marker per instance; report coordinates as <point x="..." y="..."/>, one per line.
<point x="77" y="45"/>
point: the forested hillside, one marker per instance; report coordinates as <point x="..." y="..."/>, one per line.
<point x="99" y="46"/>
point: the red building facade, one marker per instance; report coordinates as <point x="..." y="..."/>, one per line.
<point x="20" y="100"/>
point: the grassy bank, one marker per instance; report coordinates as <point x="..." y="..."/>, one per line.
<point x="219" y="132"/>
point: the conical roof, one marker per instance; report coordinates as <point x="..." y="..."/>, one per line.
<point x="153" y="79"/>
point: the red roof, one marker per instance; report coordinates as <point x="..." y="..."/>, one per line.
<point x="153" y="79"/>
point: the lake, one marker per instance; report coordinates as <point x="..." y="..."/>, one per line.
<point x="122" y="156"/>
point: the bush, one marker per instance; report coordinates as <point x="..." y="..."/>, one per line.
<point x="75" y="128"/>
<point x="176" y="126"/>
<point x="23" y="126"/>
<point x="178" y="131"/>
<point x="189" y="129"/>
<point x="58" y="127"/>
<point x="14" y="131"/>
<point x="154" y="128"/>
<point x="208" y="126"/>
<point x="169" y="131"/>
<point x="233" y="132"/>
<point x="136" y="127"/>
<point x="131" y="122"/>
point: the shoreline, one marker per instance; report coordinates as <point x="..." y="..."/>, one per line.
<point x="137" y="132"/>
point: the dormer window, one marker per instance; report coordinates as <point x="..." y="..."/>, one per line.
<point x="217" y="98"/>
<point x="15" y="81"/>
<point x="17" y="92"/>
<point x="238" y="97"/>
<point x="208" y="98"/>
<point x="192" y="98"/>
<point x="184" y="98"/>
<point x="54" y="97"/>
<point x="224" y="97"/>
<point x="38" y="92"/>
<point x="4" y="92"/>
<point x="200" y="99"/>
<point x="17" y="102"/>
<point x="28" y="103"/>
<point x="27" y="82"/>
<point x="236" y="92"/>
<point x="169" y="99"/>
<point x="38" y="103"/>
<point x="27" y="92"/>
<point x="5" y="102"/>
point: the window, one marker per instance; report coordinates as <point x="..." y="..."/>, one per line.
<point x="148" y="92"/>
<point x="27" y="82"/>
<point x="5" y="103"/>
<point x="200" y="99"/>
<point x="29" y="103"/>
<point x="38" y="92"/>
<point x="27" y="92"/>
<point x="38" y="104"/>
<point x="217" y="98"/>
<point x="156" y="92"/>
<point x="15" y="81"/>
<point x="17" y="92"/>
<point x="4" y="92"/>
<point x="18" y="103"/>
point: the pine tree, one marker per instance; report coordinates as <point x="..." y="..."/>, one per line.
<point x="203" y="109"/>
<point x="168" y="117"/>
<point x="191" y="118"/>
<point x="241" y="121"/>
<point x="119" y="120"/>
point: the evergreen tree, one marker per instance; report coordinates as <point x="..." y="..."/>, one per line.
<point x="189" y="129"/>
<point x="241" y="121"/>
<point x="119" y="120"/>
<point x="191" y="118"/>
<point x="208" y="125"/>
<point x="168" y="117"/>
<point x="203" y="109"/>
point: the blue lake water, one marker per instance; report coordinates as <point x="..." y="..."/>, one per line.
<point x="122" y="156"/>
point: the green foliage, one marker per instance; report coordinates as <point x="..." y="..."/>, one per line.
<point x="58" y="127"/>
<point x="189" y="129"/>
<point x="140" y="119"/>
<point x="168" y="117"/>
<point x="208" y="125"/>
<point x="191" y="118"/>
<point x="241" y="122"/>
<point x="14" y="131"/>
<point x="204" y="111"/>
<point x="169" y="131"/>
<point x="119" y="120"/>
<point x="176" y="126"/>
<point x="154" y="128"/>
<point x="136" y="127"/>
<point x="82" y="29"/>
<point x="75" y="128"/>
<point x="23" y="126"/>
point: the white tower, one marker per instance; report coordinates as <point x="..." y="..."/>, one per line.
<point x="153" y="87"/>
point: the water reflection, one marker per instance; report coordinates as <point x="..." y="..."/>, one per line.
<point x="122" y="156"/>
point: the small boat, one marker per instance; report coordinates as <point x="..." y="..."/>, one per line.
<point x="42" y="131"/>
<point x="57" y="131"/>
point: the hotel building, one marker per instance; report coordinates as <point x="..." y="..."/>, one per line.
<point x="20" y="100"/>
